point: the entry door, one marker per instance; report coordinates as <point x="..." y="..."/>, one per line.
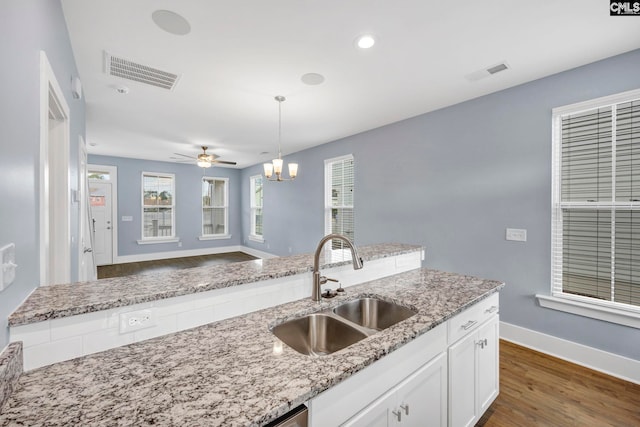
<point x="101" y="222"/>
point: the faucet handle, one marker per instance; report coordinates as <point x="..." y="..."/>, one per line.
<point x="325" y="279"/>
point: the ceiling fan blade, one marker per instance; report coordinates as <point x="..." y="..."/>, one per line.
<point x="223" y="162"/>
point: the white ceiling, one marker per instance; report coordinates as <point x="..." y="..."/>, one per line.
<point x="241" y="53"/>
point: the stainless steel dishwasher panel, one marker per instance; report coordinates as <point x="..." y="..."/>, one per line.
<point x="297" y="417"/>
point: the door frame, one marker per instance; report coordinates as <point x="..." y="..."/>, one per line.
<point x="84" y="240"/>
<point x="54" y="214"/>
<point x="113" y="174"/>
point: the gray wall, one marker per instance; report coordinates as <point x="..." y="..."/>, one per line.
<point x="26" y="28"/>
<point x="188" y="201"/>
<point x="453" y="180"/>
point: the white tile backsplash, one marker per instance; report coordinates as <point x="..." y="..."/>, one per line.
<point x="104" y="340"/>
<point x="78" y="325"/>
<point x="31" y="334"/>
<point x="52" y="352"/>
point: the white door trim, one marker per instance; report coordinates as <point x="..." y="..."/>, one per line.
<point x="86" y="272"/>
<point x="113" y="173"/>
<point x="61" y="248"/>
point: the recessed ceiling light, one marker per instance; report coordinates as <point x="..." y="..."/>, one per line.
<point x="312" y="79"/>
<point x="366" y="41"/>
<point x="171" y="22"/>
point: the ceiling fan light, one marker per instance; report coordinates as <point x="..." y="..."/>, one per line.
<point x="277" y="166"/>
<point x="293" y="170"/>
<point x="203" y="163"/>
<point x="268" y="169"/>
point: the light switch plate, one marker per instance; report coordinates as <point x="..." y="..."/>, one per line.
<point x="7" y="265"/>
<point x="516" y="234"/>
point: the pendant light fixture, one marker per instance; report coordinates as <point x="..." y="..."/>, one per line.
<point x="275" y="167"/>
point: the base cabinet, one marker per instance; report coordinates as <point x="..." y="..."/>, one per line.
<point x="445" y="377"/>
<point x="473" y="374"/>
<point x="418" y="401"/>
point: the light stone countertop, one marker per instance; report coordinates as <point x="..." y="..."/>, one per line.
<point x="50" y="302"/>
<point x="226" y="373"/>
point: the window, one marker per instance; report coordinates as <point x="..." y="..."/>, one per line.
<point x="215" y="207"/>
<point x="256" y="208"/>
<point x="158" y="206"/>
<point x="339" y="219"/>
<point x="596" y="203"/>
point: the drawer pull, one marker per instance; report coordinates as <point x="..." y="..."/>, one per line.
<point x="469" y="324"/>
<point x="491" y="309"/>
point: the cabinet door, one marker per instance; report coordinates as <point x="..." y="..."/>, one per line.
<point x="488" y="364"/>
<point x="462" y="378"/>
<point x="422" y="398"/>
<point x="377" y="414"/>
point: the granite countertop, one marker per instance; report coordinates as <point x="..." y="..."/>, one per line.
<point x="226" y="373"/>
<point x="49" y="302"/>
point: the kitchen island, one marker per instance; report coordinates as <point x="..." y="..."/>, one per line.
<point x="229" y="372"/>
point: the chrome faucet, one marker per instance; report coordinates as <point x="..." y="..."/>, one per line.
<point x="319" y="280"/>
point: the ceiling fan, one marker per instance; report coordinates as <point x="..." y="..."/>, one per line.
<point x="203" y="160"/>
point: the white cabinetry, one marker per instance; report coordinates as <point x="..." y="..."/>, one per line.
<point x="473" y="363"/>
<point x="448" y="376"/>
<point x="416" y="372"/>
<point x="418" y="401"/>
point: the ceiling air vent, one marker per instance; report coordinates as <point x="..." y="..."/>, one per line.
<point x="481" y="74"/>
<point x="123" y="68"/>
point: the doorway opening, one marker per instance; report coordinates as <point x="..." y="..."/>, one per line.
<point x="103" y="202"/>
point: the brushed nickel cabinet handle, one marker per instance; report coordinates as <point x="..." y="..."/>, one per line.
<point x="469" y="324"/>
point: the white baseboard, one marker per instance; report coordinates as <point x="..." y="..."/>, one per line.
<point x="191" y="252"/>
<point x="256" y="252"/>
<point x="599" y="360"/>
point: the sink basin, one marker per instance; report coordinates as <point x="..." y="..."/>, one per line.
<point x="373" y="313"/>
<point x="317" y="334"/>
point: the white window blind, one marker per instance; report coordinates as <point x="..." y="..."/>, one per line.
<point x="256" y="189"/>
<point x="339" y="192"/>
<point x="215" y="206"/>
<point x="158" y="205"/>
<point x="596" y="202"/>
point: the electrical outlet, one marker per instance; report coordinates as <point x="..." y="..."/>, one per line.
<point x="136" y="320"/>
<point x="519" y="235"/>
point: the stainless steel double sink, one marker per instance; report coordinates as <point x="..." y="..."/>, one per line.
<point x="331" y="330"/>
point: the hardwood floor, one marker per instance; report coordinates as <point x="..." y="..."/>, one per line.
<point x="541" y="390"/>
<point x="146" y="267"/>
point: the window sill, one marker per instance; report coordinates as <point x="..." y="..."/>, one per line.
<point x="157" y="241"/>
<point x="215" y="237"/>
<point x="594" y="311"/>
<point x="255" y="238"/>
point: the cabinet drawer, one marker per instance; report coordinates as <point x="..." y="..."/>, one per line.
<point x="467" y="321"/>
